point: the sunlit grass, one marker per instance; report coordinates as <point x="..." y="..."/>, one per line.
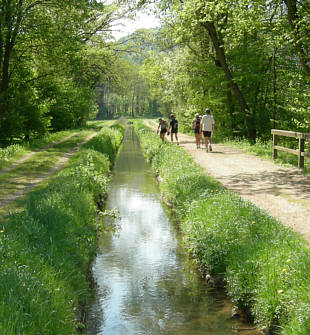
<point x="46" y="247"/>
<point x="38" y="164"/>
<point x="266" y="265"/>
<point x="13" y="152"/>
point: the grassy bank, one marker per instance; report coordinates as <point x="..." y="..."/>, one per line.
<point x="46" y="247"/>
<point x="266" y="266"/>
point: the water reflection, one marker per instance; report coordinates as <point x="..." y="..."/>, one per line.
<point x="145" y="285"/>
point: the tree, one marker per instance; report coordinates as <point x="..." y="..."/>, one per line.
<point x="42" y="47"/>
<point x="298" y="16"/>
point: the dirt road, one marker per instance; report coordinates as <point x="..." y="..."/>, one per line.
<point x="283" y="193"/>
<point x="20" y="188"/>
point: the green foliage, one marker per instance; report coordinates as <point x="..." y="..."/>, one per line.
<point x="128" y="94"/>
<point x="51" y="59"/>
<point x="7" y="153"/>
<point x="265" y="264"/>
<point x="46" y="248"/>
<point x="262" y="59"/>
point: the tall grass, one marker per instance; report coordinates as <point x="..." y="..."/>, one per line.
<point x="7" y="153"/>
<point x="107" y="141"/>
<point x="266" y="266"/>
<point x="45" y="248"/>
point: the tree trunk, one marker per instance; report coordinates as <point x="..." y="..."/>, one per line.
<point x="221" y="56"/>
<point x="293" y="18"/>
<point x="231" y="111"/>
<point x="274" y="89"/>
<point x="7" y="43"/>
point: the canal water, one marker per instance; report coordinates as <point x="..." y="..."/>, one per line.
<point x="145" y="284"/>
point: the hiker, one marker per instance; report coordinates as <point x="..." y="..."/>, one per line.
<point x="163" y="127"/>
<point x="174" y="128"/>
<point x="197" y="129"/>
<point x="207" y="127"/>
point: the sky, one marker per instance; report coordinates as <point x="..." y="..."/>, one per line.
<point x="142" y="20"/>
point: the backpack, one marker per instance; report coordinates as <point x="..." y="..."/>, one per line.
<point x="163" y="126"/>
<point x="197" y="124"/>
<point x="174" y="124"/>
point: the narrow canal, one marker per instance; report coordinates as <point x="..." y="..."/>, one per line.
<point x="145" y="284"/>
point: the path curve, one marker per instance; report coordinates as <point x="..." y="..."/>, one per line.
<point x="283" y="193"/>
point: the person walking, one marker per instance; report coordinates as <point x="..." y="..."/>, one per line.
<point x="197" y="129"/>
<point x="207" y="127"/>
<point x="162" y="128"/>
<point x="174" y="128"/>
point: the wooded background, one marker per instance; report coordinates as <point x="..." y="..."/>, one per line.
<point x="249" y="61"/>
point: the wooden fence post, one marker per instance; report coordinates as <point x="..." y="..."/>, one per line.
<point x="274" y="143"/>
<point x="301" y="149"/>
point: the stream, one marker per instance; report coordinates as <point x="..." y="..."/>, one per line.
<point x="145" y="282"/>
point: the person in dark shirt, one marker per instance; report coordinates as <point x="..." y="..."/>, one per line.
<point x="197" y="130"/>
<point x="173" y="127"/>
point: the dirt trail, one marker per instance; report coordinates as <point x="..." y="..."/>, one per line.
<point x="283" y="193"/>
<point x="30" y="184"/>
<point x="30" y="154"/>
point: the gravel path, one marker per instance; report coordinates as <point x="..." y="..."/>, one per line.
<point x="283" y="193"/>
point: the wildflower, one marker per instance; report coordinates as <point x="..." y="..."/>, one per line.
<point x="283" y="270"/>
<point x="288" y="260"/>
<point x="1" y="231"/>
<point x="253" y="222"/>
<point x="280" y="291"/>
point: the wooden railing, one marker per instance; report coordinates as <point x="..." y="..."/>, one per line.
<point x="301" y="148"/>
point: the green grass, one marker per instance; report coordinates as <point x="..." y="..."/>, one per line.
<point x="46" y="247"/>
<point x="13" y="152"/>
<point x="37" y="165"/>
<point x="266" y="266"/>
<point x="107" y="140"/>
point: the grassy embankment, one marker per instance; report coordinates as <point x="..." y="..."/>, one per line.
<point x="46" y="247"/>
<point x="266" y="266"/>
<point x="13" y="152"/>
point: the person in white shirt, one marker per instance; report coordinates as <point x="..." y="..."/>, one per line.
<point x="207" y="127"/>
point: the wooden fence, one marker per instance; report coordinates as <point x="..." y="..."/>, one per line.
<point x="301" y="148"/>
